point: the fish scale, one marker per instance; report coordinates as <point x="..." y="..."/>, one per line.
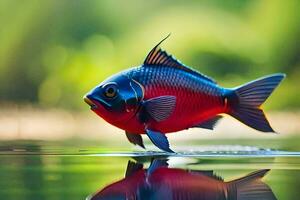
<point x="194" y="96"/>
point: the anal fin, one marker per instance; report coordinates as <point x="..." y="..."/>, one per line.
<point x="208" y="173"/>
<point x="209" y="124"/>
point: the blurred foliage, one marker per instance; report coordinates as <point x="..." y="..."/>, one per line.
<point x="53" y="52"/>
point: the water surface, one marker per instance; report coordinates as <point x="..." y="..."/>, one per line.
<point x="34" y="171"/>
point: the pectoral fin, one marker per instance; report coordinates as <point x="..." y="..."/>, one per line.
<point x="160" y="108"/>
<point x="135" y="139"/>
<point x="209" y="124"/>
<point x="160" y="140"/>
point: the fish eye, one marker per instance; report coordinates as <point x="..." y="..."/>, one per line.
<point x="110" y="90"/>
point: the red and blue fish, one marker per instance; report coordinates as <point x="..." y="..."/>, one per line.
<point x="163" y="96"/>
<point x="161" y="182"/>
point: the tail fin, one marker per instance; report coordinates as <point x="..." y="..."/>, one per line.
<point x="244" y="101"/>
<point x="250" y="187"/>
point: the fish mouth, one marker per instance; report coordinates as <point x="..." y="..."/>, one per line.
<point x="90" y="102"/>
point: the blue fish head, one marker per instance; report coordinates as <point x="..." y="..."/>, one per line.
<point x="115" y="99"/>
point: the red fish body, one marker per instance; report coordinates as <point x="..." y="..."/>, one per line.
<point x="197" y="99"/>
<point x="163" y="96"/>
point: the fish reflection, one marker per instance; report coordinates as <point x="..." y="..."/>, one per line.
<point x="160" y="182"/>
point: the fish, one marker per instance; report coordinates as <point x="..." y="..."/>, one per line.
<point x="163" y="95"/>
<point x="161" y="182"/>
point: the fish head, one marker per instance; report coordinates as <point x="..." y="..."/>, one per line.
<point x="115" y="191"/>
<point x="115" y="99"/>
<point x="126" y="188"/>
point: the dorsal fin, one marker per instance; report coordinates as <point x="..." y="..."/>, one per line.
<point x="161" y="58"/>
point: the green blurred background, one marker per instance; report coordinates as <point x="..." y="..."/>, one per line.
<point x="53" y="52"/>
